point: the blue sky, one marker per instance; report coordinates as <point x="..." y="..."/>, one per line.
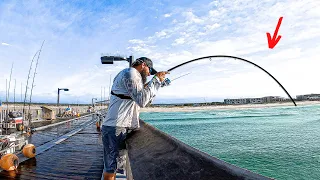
<point x="76" y="33"/>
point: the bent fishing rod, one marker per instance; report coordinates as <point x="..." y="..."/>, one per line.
<point x="110" y="59"/>
<point x="167" y="81"/>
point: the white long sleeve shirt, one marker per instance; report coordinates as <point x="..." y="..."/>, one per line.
<point x="125" y="112"/>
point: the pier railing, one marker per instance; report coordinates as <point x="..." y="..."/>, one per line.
<point x="36" y="111"/>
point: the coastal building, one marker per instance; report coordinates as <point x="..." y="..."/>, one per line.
<point x="308" y="97"/>
<point x="256" y="100"/>
<point x="266" y="99"/>
<point x="237" y="101"/>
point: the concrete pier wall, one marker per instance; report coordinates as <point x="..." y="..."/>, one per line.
<point x="156" y="155"/>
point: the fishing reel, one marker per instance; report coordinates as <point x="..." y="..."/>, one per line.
<point x="166" y="82"/>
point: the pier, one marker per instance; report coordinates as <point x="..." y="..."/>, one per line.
<point x="72" y="149"/>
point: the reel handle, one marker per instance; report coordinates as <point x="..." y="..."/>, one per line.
<point x="166" y="82"/>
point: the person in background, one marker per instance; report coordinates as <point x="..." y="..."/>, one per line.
<point x="128" y="94"/>
<point x="68" y="108"/>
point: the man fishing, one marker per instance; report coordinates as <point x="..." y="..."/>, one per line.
<point x="129" y="93"/>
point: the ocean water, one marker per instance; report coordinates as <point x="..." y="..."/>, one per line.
<point x="278" y="142"/>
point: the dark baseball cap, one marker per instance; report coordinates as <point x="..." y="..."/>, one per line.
<point x="148" y="63"/>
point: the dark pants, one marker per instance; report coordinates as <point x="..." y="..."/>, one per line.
<point x="113" y="139"/>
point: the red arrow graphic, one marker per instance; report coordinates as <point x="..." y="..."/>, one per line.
<point x="273" y="42"/>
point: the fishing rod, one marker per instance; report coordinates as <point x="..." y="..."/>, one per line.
<point x="26" y="91"/>
<point x="167" y="81"/>
<point x="25" y="94"/>
<point x="32" y="86"/>
<point x="14" y="95"/>
<point x="8" y="95"/>
<point x="34" y="75"/>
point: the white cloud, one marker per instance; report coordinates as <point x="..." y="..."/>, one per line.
<point x="192" y="18"/>
<point x="136" y="41"/>
<point x="161" y="34"/>
<point x="245" y="36"/>
<point x="287" y="53"/>
<point x="214" y="3"/>
<point x="142" y="49"/>
<point x="179" y="41"/>
<point x="167" y="15"/>
<point x="5" y="44"/>
<point x="212" y="27"/>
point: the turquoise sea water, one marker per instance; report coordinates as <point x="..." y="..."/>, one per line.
<point x="278" y="142"/>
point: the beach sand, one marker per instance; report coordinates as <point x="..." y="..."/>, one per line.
<point x="213" y="107"/>
<point x="186" y="108"/>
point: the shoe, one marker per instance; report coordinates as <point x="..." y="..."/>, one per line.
<point x="109" y="176"/>
<point x="120" y="171"/>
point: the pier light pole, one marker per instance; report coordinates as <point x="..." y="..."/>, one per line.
<point x="92" y="101"/>
<point x="111" y="59"/>
<point x="64" y="89"/>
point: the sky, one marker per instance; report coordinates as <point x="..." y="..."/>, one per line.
<point x="76" y="34"/>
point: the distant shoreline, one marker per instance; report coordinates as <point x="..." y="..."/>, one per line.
<point x="181" y="108"/>
<point x="215" y="107"/>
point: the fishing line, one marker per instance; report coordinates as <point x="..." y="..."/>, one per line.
<point x="180" y="76"/>
<point x="237" y="58"/>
